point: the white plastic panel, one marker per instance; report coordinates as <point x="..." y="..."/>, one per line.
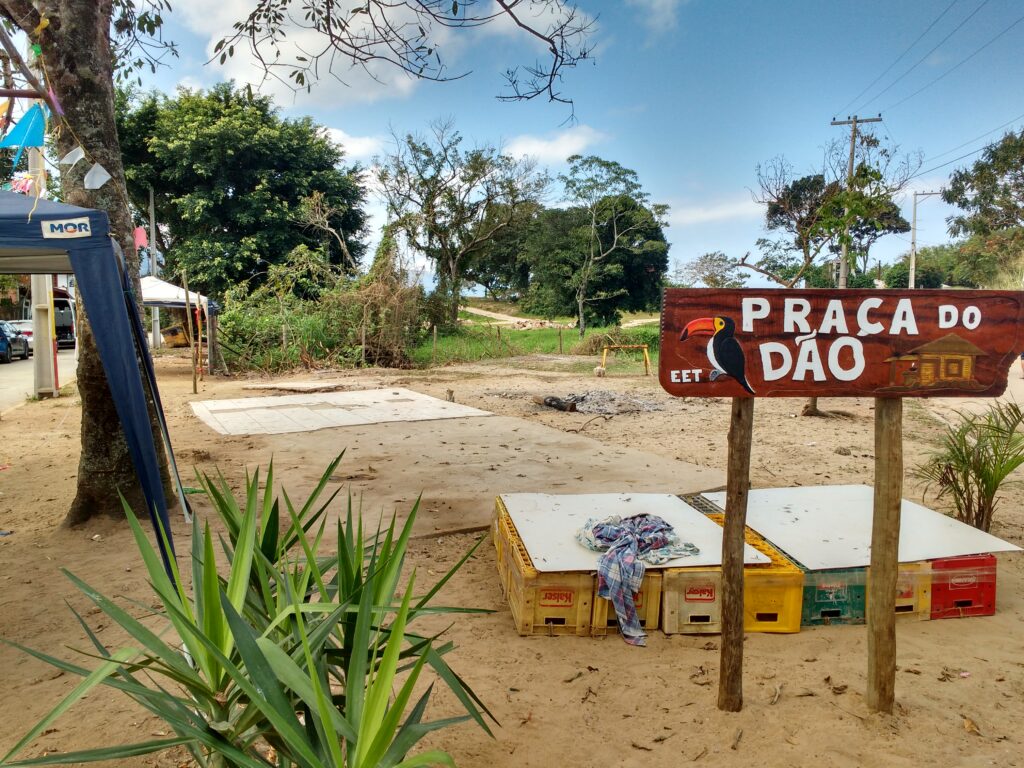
<point x="322" y="410"/>
<point x="826" y="527"/>
<point x="547" y="524"/>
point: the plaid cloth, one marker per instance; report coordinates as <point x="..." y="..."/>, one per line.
<point x="620" y="570"/>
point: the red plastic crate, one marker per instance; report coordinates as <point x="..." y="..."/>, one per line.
<point x="963" y="586"/>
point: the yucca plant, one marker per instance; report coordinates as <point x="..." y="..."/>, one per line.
<point x="290" y="660"/>
<point x="977" y="456"/>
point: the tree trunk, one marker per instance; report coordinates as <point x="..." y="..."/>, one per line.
<point x="579" y="315"/>
<point x="76" y="49"/>
<point x="455" y="286"/>
<point x="811" y="408"/>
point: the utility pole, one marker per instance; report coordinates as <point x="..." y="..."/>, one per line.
<point x="853" y="122"/>
<point x="913" y="240"/>
<point x="45" y="383"/>
<point x="154" y="268"/>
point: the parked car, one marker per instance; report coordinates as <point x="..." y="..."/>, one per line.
<point x="25" y="326"/>
<point x="12" y="342"/>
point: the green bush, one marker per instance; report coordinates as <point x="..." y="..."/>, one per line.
<point x="291" y="653"/>
<point x="976" y="457"/>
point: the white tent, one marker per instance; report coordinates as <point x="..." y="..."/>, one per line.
<point x="159" y="293"/>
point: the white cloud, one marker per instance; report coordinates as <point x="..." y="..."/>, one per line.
<point x="738" y="209"/>
<point x="344" y="84"/>
<point x="356" y="147"/>
<point x="555" y="148"/>
<point x="657" y="15"/>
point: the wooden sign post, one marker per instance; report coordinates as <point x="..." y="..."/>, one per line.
<point x="823" y="343"/>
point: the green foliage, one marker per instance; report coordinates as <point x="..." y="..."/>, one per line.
<point x="233" y="181"/>
<point x="291" y="651"/>
<point x="451" y="202"/>
<point x="991" y="192"/>
<point x="499" y="264"/>
<point x="307" y="313"/>
<point x="473" y="344"/>
<point x="823" y="211"/>
<point x="977" y="456"/>
<point x="926" y="275"/>
<point x="714" y="270"/>
<point x="617" y="218"/>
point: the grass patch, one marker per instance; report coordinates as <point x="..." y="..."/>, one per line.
<point x="469" y="317"/>
<point x="470" y="345"/>
<point x="513" y="310"/>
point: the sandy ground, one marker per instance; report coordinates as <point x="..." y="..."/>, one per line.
<point x="560" y="701"/>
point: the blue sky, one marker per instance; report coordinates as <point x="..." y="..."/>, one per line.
<point x="693" y="94"/>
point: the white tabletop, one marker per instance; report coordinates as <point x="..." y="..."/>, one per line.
<point x="826" y="527"/>
<point x="547" y="524"/>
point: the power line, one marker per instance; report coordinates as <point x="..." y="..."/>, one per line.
<point x="976" y="138"/>
<point x="898" y="58"/>
<point x="956" y="66"/>
<point x="943" y="165"/>
<point x="922" y="59"/>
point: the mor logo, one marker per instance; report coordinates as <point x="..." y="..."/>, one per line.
<point x="63" y="228"/>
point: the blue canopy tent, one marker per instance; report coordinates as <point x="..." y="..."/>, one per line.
<point x="46" y="237"/>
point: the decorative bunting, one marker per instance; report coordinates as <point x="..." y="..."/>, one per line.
<point x="96" y="177"/>
<point x="141" y="241"/>
<point x="53" y="102"/>
<point x="29" y="130"/>
<point x="73" y="156"/>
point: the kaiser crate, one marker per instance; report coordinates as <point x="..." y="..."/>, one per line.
<point x="541" y="603"/>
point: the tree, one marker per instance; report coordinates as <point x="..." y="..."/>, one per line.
<point x="825" y="209"/>
<point x="84" y="41"/>
<point x="714" y="270"/>
<point x="499" y="264"/>
<point x="925" y="275"/>
<point x="991" y="192"/>
<point x="236" y="186"/>
<point x="887" y="220"/>
<point x="616" y="208"/>
<point x="451" y="202"/>
<point x="629" y="278"/>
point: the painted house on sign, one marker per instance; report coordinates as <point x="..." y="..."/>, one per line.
<point x="945" y="362"/>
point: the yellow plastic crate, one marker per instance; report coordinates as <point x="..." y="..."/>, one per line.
<point x="773" y="593"/>
<point x="558" y="603"/>
<point x="913" y="591"/>
<point x="498" y="540"/>
<point x="691" y="600"/>
<point x="648" y="606"/>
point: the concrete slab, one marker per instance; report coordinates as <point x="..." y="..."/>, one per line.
<point x="282" y="414"/>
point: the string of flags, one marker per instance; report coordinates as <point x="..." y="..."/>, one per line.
<point x="30" y="131"/>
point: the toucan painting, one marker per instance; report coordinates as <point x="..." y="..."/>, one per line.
<point x="724" y="353"/>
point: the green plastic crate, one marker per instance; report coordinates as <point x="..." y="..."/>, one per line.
<point x="834" y="597"/>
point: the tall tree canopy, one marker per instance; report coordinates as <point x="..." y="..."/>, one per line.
<point x="991" y="191"/>
<point x="450" y="201"/>
<point x="618" y="217"/>
<point x="815" y="214"/>
<point x="714" y="270"/>
<point x="628" y="277"/>
<point x="234" y="183"/>
<point x="84" y="42"/>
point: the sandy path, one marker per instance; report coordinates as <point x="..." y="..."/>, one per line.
<point x="563" y="701"/>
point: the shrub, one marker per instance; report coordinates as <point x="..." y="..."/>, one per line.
<point x="289" y="660"/>
<point x="976" y="457"/>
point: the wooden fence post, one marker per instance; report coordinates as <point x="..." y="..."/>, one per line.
<point x="885" y="542"/>
<point x="730" y="681"/>
<point x="433" y="349"/>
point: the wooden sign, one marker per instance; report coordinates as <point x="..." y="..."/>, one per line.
<point x="830" y="343"/>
